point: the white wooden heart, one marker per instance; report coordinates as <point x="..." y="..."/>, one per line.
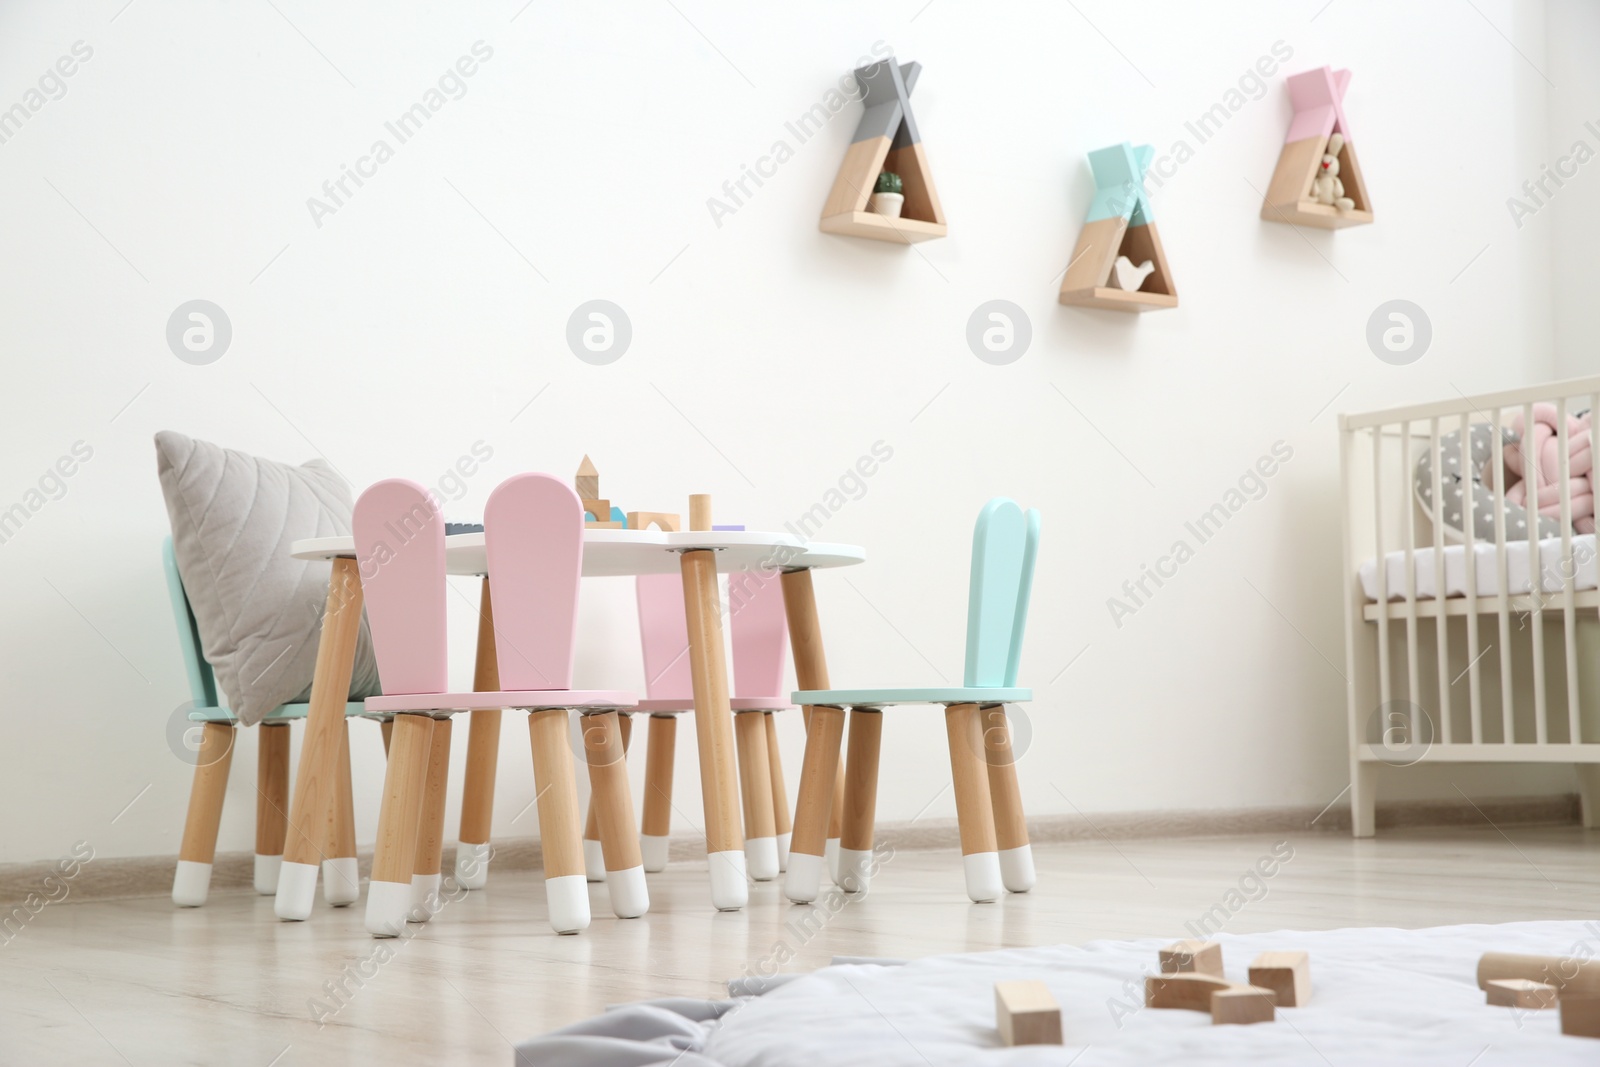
<point x="1124" y="275"/>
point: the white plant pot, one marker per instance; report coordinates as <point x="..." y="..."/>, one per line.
<point x="887" y="204"/>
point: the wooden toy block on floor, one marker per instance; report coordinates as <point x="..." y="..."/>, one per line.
<point x="1288" y="974"/>
<point x="1520" y="993"/>
<point x="1317" y="97"/>
<point x="1227" y="1002"/>
<point x="1026" y="1013"/>
<point x="1119" y="224"/>
<point x="587" y="480"/>
<point x="1192" y="957"/>
<point x="886" y="139"/>
<point x="643" y="520"/>
<point x="1580" y="1016"/>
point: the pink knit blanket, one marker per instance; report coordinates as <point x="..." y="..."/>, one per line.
<point x="1544" y="446"/>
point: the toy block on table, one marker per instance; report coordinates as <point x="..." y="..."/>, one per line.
<point x="1520" y="993"/>
<point x="1318" y="179"/>
<point x="1191" y="956"/>
<point x="1287" y="974"/>
<point x="587" y="480"/>
<point x="1026" y="1013"/>
<point x="1120" y="227"/>
<point x="886" y="140"/>
<point x="643" y="520"/>
<point x="600" y="509"/>
<point x="1580" y="1016"/>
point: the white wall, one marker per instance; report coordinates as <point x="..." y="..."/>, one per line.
<point x="1573" y="218"/>
<point x="766" y="356"/>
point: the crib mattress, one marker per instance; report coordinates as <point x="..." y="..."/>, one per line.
<point x="1519" y="571"/>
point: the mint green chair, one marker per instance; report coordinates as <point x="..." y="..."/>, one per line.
<point x="191" y="884"/>
<point x="994" y="834"/>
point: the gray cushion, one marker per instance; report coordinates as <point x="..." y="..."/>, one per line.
<point x="1480" y="445"/>
<point x="259" y="611"/>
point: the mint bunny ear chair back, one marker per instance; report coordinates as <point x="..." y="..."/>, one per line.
<point x="1004" y="546"/>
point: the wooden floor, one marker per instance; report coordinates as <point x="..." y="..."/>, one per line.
<point x="141" y="982"/>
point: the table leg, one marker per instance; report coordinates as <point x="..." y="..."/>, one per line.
<point x="483" y="760"/>
<point x="811" y="672"/>
<point x="713" y="720"/>
<point x="317" y="778"/>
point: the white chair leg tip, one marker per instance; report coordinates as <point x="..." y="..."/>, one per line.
<point x="191" y="884"/>
<point x="855" y="869"/>
<point x="567" y="897"/>
<point x="630" y="896"/>
<point x="761" y="858"/>
<point x="297" y="891"/>
<point x="341" y="881"/>
<point x="783" y="852"/>
<point x="266" y="876"/>
<point x="830" y="852"/>
<point x="983" y="876"/>
<point x="387" y="906"/>
<point x="424" y="897"/>
<point x="655" y="852"/>
<point x="1016" y="868"/>
<point x="730" y="890"/>
<point x="804" y="877"/>
<point x="472" y="865"/>
<point x="594" y="861"/>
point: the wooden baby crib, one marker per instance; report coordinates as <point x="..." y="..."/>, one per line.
<point x="1454" y="650"/>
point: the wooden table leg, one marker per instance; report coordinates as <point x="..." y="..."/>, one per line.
<point x="318" y="775"/>
<point x="755" y="787"/>
<point x="192" y="881"/>
<point x="781" y="825"/>
<point x="713" y="717"/>
<point x="272" y="803"/>
<point x="811" y="672"/>
<point x="425" y="878"/>
<point x="565" y="892"/>
<point x="974" y="812"/>
<point x="860" y="800"/>
<point x="394" y="855"/>
<point x="817" y="775"/>
<point x="611" y="808"/>
<point x="1005" y="796"/>
<point x="655" y="827"/>
<point x="341" y="874"/>
<point x="483" y="760"/>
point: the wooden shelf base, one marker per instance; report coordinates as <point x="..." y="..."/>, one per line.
<point x="1118" y="299"/>
<point x="882" y="228"/>
<point x="1310" y="213"/>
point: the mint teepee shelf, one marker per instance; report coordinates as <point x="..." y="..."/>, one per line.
<point x="886" y="139"/>
<point x="1119" y="224"/>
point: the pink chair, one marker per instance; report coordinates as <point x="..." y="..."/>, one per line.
<point x="534" y="540"/>
<point x="760" y="637"/>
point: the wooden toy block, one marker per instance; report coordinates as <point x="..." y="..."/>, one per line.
<point x="603" y="525"/>
<point x="1242" y="1005"/>
<point x="1317" y="97"/>
<point x="1191" y="956"/>
<point x="1287" y="974"/>
<point x="1120" y="223"/>
<point x="587" y="481"/>
<point x="1570" y="976"/>
<point x="1520" y="993"/>
<point x="885" y="139"/>
<point x="600" y="509"/>
<point x="1580" y="1016"/>
<point x="1026" y="1013"/>
<point x="643" y="520"/>
<point x="1188" y="991"/>
<point x="700" y="511"/>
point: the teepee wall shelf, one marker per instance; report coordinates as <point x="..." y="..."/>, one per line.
<point x="886" y="139"/>
<point x="1317" y="97"/>
<point x="1119" y="224"/>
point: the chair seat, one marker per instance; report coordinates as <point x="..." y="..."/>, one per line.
<point x="882" y="698"/>
<point x="282" y="713"/>
<point x="673" y="706"/>
<point x="532" y="699"/>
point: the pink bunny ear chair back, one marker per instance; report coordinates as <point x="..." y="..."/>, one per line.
<point x="664" y="642"/>
<point x="399" y="538"/>
<point x="533" y="533"/>
<point x="760" y="640"/>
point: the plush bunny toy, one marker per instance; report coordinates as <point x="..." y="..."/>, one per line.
<point x="1326" y="188"/>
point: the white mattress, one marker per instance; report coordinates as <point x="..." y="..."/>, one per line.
<point x="1379" y="997"/>
<point x="1518" y="570"/>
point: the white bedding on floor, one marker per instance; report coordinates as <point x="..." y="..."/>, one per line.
<point x="1379" y="996"/>
<point x="1518" y="570"/>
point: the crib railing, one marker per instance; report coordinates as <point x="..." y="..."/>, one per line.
<point x="1402" y="708"/>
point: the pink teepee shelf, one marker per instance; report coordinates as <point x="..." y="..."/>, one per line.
<point x="1317" y="97"/>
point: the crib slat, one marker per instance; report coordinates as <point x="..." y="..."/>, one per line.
<point x="1441" y="629"/>
<point x="1569" y="632"/>
<point x="1385" y="678"/>
<point x="1530" y="475"/>
<point x="1498" y="485"/>
<point x="1469" y="538"/>
<point x="1408" y="523"/>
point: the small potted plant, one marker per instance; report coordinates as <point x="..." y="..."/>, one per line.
<point x="886" y="196"/>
